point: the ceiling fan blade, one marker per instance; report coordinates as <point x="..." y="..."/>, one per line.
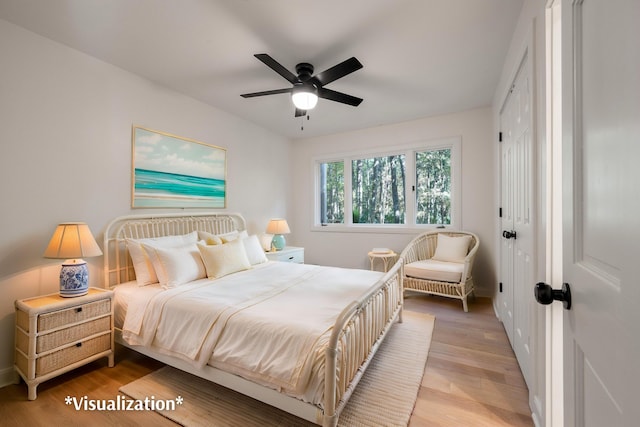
<point x="300" y="112"/>
<point x="277" y="67"/>
<point x="266" y="92"/>
<point x="332" y="95"/>
<point x="338" y="71"/>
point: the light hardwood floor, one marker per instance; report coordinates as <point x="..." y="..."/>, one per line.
<point x="471" y="379"/>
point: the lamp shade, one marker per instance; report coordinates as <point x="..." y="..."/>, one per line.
<point x="278" y="226"/>
<point x="304" y="96"/>
<point x="72" y="240"/>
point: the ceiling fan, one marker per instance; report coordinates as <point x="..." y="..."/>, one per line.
<point x="307" y="88"/>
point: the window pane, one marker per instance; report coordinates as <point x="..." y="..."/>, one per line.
<point x="332" y="193"/>
<point x="433" y="187"/>
<point x="378" y="190"/>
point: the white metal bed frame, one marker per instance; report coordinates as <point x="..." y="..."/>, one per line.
<point x="359" y="329"/>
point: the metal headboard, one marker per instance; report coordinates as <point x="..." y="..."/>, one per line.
<point x="118" y="267"/>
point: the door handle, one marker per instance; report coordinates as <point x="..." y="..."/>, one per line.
<point x="546" y="295"/>
<point x="509" y="234"/>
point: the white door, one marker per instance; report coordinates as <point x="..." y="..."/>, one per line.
<point x="601" y="211"/>
<point x="506" y="205"/>
<point x="517" y="226"/>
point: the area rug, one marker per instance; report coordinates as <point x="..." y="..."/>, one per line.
<point x="385" y="395"/>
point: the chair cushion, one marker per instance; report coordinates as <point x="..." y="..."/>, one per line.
<point x="452" y="248"/>
<point x="430" y="269"/>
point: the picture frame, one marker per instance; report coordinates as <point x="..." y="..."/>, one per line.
<point x="170" y="171"/>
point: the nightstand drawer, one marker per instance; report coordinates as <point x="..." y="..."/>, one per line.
<point x="68" y="335"/>
<point x="72" y="315"/>
<point x="297" y="257"/>
<point x="61" y="337"/>
<point x="73" y="354"/>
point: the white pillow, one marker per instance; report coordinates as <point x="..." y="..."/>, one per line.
<point x="265" y="241"/>
<point x="220" y="260"/>
<point x="255" y="253"/>
<point x="142" y="264"/>
<point x="452" y="249"/>
<point x="176" y="266"/>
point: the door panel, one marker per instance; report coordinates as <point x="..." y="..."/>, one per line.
<point x="601" y="209"/>
<point x="507" y="222"/>
<point x="517" y="188"/>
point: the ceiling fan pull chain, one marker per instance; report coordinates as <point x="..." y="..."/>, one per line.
<point x="302" y="119"/>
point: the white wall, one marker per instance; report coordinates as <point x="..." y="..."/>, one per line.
<point x="349" y="249"/>
<point x="65" y="155"/>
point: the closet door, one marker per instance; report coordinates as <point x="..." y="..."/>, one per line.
<point x="517" y="240"/>
<point x="507" y="220"/>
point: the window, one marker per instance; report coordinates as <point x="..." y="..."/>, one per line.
<point x="408" y="186"/>
<point x="433" y="187"/>
<point x="332" y="192"/>
<point x="377" y="190"/>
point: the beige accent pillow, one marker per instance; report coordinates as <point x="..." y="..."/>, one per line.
<point x="177" y="266"/>
<point x="452" y="249"/>
<point x="220" y="260"/>
<point x="218" y="239"/>
<point x="209" y="238"/>
<point x="142" y="263"/>
<point x="234" y="235"/>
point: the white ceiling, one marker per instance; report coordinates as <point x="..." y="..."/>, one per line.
<point x="421" y="57"/>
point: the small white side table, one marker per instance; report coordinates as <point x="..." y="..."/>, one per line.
<point x="387" y="258"/>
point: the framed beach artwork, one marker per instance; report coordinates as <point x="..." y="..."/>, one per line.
<point x="174" y="172"/>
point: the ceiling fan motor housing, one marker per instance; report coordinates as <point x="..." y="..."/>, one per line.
<point x="304" y="70"/>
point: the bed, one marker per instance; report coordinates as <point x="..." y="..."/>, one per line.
<point x="340" y="317"/>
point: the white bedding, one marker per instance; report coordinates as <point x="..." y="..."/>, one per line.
<point x="269" y="324"/>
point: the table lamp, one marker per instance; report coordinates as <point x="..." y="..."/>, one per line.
<point x="73" y="241"/>
<point x="278" y="227"/>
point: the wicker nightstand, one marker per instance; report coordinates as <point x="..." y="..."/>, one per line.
<point x="55" y="334"/>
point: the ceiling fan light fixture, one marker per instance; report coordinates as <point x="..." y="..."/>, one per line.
<point x="304" y="97"/>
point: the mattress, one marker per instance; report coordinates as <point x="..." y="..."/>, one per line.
<point x="269" y="324"/>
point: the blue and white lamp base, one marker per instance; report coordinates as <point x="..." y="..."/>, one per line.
<point x="278" y="242"/>
<point x="74" y="278"/>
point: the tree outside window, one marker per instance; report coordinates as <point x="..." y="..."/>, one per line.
<point x="433" y="187"/>
<point x="332" y="192"/>
<point x="378" y="190"/>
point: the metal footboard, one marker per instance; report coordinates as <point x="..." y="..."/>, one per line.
<point x="356" y="336"/>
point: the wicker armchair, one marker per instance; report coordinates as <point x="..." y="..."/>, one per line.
<point x="437" y="277"/>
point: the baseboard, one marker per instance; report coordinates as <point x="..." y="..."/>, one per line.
<point x="8" y="376"/>
<point x="495" y="309"/>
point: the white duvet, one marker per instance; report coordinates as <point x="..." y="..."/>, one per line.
<point x="269" y="324"/>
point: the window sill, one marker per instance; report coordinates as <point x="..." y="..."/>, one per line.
<point x="377" y="229"/>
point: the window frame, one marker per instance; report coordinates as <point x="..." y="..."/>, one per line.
<point x="409" y="150"/>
